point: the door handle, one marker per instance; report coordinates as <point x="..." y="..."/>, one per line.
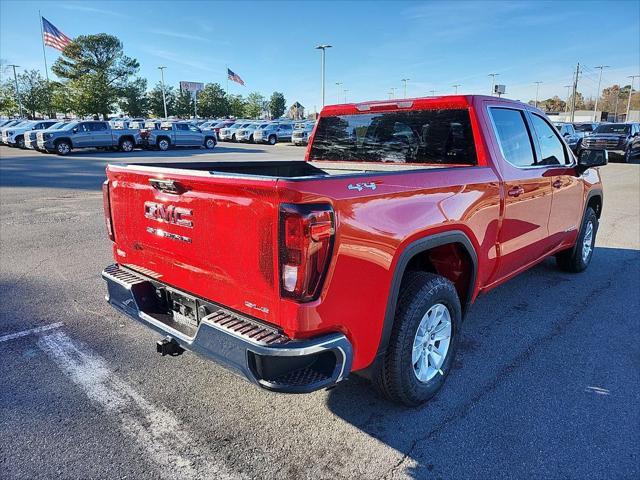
<point x="516" y="191"/>
<point x="557" y="183"/>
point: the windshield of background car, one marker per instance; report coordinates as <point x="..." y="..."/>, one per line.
<point x="583" y="128"/>
<point x="618" y="129"/>
<point x="57" y="126"/>
<point x="422" y="136"/>
<point x="70" y="126"/>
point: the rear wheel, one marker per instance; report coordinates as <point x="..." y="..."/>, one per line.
<point x="577" y="259"/>
<point x="163" y="144"/>
<point x="423" y="341"/>
<point x="126" y="145"/>
<point x="63" y="147"/>
<point x="209" y="143"/>
<point x="272" y="140"/>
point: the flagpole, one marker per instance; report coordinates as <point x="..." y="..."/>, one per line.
<point x="44" y="51"/>
<point x="227" y="75"/>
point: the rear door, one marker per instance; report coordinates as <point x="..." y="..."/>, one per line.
<point x="524" y="234"/>
<point x="101" y="134"/>
<point x="215" y="237"/>
<point x="182" y="134"/>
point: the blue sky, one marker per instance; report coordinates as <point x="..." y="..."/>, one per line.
<point x="376" y="44"/>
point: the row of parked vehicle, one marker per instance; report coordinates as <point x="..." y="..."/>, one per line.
<point x="620" y="139"/>
<point x="61" y="137"/>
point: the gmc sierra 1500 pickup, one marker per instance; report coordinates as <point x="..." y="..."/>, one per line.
<point x="364" y="257"/>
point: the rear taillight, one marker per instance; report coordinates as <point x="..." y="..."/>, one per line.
<point x="306" y="240"/>
<point x="106" y="203"/>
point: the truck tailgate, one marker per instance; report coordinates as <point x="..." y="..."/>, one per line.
<point x="213" y="237"/>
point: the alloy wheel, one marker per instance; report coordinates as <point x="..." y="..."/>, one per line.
<point x="431" y="343"/>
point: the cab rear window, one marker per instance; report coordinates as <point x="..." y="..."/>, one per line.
<point x="422" y="136"/>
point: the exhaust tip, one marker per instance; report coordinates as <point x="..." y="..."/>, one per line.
<point x="169" y="346"/>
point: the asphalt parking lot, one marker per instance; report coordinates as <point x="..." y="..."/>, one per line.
<point x="546" y="384"/>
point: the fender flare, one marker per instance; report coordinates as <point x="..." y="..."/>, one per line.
<point x="411" y="250"/>
<point x="594" y="192"/>
<point x="65" y="139"/>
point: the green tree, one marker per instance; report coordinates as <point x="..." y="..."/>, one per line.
<point x="237" y="106"/>
<point x="184" y="104"/>
<point x="277" y="105"/>
<point x="34" y="93"/>
<point x="154" y="98"/>
<point x="61" y="100"/>
<point x="255" y="105"/>
<point x="8" y="104"/>
<point x="134" y="101"/>
<point x="212" y="101"/>
<point x="96" y="67"/>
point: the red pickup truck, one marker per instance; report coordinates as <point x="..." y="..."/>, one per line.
<point x="364" y="257"/>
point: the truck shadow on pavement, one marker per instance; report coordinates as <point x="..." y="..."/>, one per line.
<point x="83" y="171"/>
<point x="521" y="400"/>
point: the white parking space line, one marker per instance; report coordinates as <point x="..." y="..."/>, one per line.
<point x="156" y="429"/>
<point x="31" y="331"/>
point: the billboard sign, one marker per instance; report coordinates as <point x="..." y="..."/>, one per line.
<point x="192" y="87"/>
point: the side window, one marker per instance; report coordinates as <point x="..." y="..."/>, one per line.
<point x="182" y="126"/>
<point x="83" y="127"/>
<point x="99" y="126"/>
<point x="513" y="136"/>
<point x="551" y="149"/>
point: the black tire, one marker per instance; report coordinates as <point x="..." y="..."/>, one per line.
<point x="233" y="138"/>
<point x="63" y="147"/>
<point x="20" y="142"/>
<point x="394" y="376"/>
<point x="251" y="138"/>
<point x="163" y="144"/>
<point x="272" y="140"/>
<point x="626" y="158"/>
<point x="573" y="260"/>
<point x="126" y="145"/>
<point x="209" y="143"/>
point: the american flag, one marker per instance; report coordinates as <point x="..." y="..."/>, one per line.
<point x="54" y="37"/>
<point x="234" y="77"/>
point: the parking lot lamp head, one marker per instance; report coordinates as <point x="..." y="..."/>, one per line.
<point x="323" y="48"/>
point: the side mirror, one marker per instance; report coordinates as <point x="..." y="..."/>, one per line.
<point x="592" y="158"/>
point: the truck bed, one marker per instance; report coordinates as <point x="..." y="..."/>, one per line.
<point x="284" y="169"/>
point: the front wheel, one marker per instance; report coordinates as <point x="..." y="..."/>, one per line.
<point x="20" y="142"/>
<point x="577" y="259"/>
<point x="126" y="145"/>
<point x="272" y="140"/>
<point x="210" y="143"/>
<point x="63" y="148"/>
<point x="423" y="340"/>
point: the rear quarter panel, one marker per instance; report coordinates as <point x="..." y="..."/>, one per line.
<point x="373" y="228"/>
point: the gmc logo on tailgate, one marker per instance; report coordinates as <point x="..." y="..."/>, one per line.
<point x="169" y="214"/>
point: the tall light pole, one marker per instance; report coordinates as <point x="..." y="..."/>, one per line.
<point x="433" y="93"/>
<point x="456" y="87"/>
<point x="323" y="48"/>
<point x="493" y="81"/>
<point x="595" y="106"/>
<point x="15" y="78"/>
<point x="537" y="90"/>
<point x="345" y="95"/>
<point x="393" y="93"/>
<point x="632" y="77"/>
<point x="404" y="81"/>
<point x="338" y="91"/>
<point x="164" y="96"/>
<point x="566" y="104"/>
